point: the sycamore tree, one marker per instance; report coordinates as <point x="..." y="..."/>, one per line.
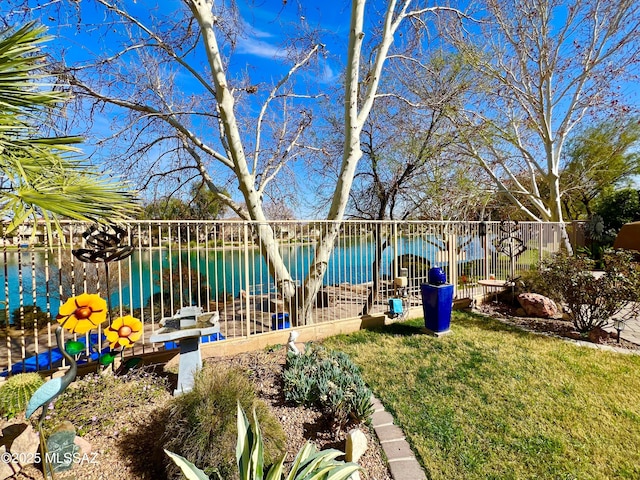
<point x="410" y="168"/>
<point x="43" y="177"/>
<point x="165" y="77"/>
<point x="549" y="67"/>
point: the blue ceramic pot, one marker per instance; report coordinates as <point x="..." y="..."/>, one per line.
<point x="437" y="276"/>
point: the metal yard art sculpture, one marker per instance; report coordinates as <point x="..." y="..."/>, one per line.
<point x="79" y="315"/>
<point x="105" y="244"/>
<point x="510" y="244"/>
<point x="45" y="395"/>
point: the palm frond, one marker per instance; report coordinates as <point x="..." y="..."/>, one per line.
<point x="43" y="177"/>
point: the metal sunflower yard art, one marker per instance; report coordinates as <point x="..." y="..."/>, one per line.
<point x="123" y="332"/>
<point x="78" y="315"/>
<point x="106" y="244"/>
<point x="82" y="313"/>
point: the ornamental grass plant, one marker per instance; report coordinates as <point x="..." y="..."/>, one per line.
<point x="202" y="423"/>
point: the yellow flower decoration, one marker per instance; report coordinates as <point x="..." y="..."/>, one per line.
<point x="123" y="332"/>
<point x="82" y="313"/>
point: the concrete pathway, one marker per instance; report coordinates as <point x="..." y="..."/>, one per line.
<point x="631" y="330"/>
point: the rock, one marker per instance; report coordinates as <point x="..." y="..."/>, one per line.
<point x="356" y="445"/>
<point x="7" y="469"/>
<point x="83" y="445"/>
<point x="11" y="432"/>
<point x="536" y="305"/>
<point x="26" y="445"/>
<point x="520" y="312"/>
<point x="598" y="335"/>
<point x="61" y="446"/>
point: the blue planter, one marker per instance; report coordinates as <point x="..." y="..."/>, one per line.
<point x="437" y="302"/>
<point x="437" y="276"/>
<point x="280" y="321"/>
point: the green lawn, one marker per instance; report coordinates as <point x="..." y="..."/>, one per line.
<point x="490" y="401"/>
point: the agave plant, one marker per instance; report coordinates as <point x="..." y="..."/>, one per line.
<point x="309" y="464"/>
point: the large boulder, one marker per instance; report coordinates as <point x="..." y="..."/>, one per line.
<point x="536" y="305"/>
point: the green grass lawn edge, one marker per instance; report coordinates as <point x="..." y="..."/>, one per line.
<point x="492" y="401"/>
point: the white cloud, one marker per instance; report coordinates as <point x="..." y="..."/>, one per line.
<point x="254" y="32"/>
<point x="259" y="48"/>
<point x="253" y="42"/>
<point x="328" y="74"/>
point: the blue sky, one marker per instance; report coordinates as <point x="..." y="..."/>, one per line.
<point x="266" y="25"/>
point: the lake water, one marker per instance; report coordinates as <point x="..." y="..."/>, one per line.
<point x="225" y="271"/>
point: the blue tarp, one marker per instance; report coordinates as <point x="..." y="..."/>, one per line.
<point x="53" y="358"/>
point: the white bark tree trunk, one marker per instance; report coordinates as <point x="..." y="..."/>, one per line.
<point x="355" y="116"/>
<point x="356" y="112"/>
<point x="202" y="12"/>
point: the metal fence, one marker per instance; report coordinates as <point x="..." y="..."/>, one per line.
<point x="217" y="266"/>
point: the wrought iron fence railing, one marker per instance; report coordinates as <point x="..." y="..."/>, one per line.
<point x="216" y="265"/>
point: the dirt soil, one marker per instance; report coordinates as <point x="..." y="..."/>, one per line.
<point x="129" y="449"/>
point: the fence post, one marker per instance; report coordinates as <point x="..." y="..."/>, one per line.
<point x="394" y="231"/>
<point x="247" y="285"/>
<point x="452" y="247"/>
<point x="485" y="249"/>
<point x="541" y="246"/>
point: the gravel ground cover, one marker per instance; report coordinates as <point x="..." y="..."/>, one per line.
<point x="128" y="448"/>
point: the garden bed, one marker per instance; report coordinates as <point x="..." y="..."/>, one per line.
<point x="551" y="326"/>
<point x="126" y="438"/>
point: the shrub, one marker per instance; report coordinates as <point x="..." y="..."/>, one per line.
<point x="328" y="380"/>
<point x="202" y="423"/>
<point x="592" y="300"/>
<point x="29" y="316"/>
<point x="533" y="281"/>
<point x="618" y="208"/>
<point x="16" y="392"/>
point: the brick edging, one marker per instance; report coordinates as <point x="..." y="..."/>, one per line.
<point x="402" y="463"/>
